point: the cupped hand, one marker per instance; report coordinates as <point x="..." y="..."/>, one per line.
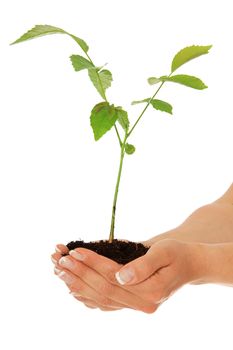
<point x="142" y="284"/>
<point x="91" y="287"/>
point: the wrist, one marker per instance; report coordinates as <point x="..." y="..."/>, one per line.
<point x="199" y="260"/>
<point x="212" y="262"/>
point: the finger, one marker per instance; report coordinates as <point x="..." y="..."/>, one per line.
<point x="80" y="297"/>
<point x="83" y="291"/>
<point x="87" y="303"/>
<point x="76" y="285"/>
<point x="154" y="289"/>
<point x="102" y="265"/>
<point x="108" y="268"/>
<point x="62" y="249"/>
<point x="158" y="287"/>
<point x="98" y="301"/>
<point x="108" y="303"/>
<point x="55" y="257"/>
<point x="93" y="305"/>
<point x="103" y="288"/>
<point x="90" y="307"/>
<point x="108" y="309"/>
<point x="142" y="268"/>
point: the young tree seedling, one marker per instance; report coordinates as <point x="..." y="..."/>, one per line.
<point x="105" y="115"/>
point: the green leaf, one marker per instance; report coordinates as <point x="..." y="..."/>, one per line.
<point x="161" y="106"/>
<point x="80" y="62"/>
<point x="187" y="80"/>
<point x="101" y="80"/>
<point x="41" y="30"/>
<point x="79" y="41"/>
<point x="153" y="80"/>
<point x="139" y="101"/>
<point x="122" y="117"/>
<point x="103" y="117"/>
<point x="106" y="78"/>
<point x="157" y="104"/>
<point x="187" y="54"/>
<point x="129" y="149"/>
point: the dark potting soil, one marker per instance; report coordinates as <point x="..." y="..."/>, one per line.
<point x="120" y="251"/>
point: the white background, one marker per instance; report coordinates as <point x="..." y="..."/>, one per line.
<point x="56" y="182"/>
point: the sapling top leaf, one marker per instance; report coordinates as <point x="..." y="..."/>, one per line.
<point x="187" y="54"/>
<point x="105" y="115"/>
<point x="41" y="30"/>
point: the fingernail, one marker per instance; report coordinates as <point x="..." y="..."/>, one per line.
<point x="76" y="255"/>
<point x="65" y="277"/>
<point x="58" y="250"/>
<point x="57" y="270"/>
<point x="53" y="260"/>
<point x="66" y="262"/>
<point x="124" y="276"/>
<point x="75" y="294"/>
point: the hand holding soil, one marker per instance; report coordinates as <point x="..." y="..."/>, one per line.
<point x="167" y="266"/>
<point x="198" y="251"/>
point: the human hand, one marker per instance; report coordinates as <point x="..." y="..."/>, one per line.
<point x="90" y="298"/>
<point x="93" y="289"/>
<point x="167" y="266"/>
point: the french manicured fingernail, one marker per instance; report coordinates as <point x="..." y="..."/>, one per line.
<point x="76" y="255"/>
<point x="57" y="270"/>
<point x="124" y="276"/>
<point x="58" y="249"/>
<point x="53" y="260"/>
<point x="75" y="294"/>
<point x="65" y="277"/>
<point x="66" y="262"/>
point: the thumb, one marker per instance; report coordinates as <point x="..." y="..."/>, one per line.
<point x="142" y="268"/>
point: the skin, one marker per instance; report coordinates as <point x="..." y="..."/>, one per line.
<point x="194" y="252"/>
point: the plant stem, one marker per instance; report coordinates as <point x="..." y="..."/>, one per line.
<point x="122" y="144"/>
<point x="111" y="235"/>
<point x="148" y="103"/>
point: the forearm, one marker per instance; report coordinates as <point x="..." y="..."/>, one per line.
<point x="212" y="223"/>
